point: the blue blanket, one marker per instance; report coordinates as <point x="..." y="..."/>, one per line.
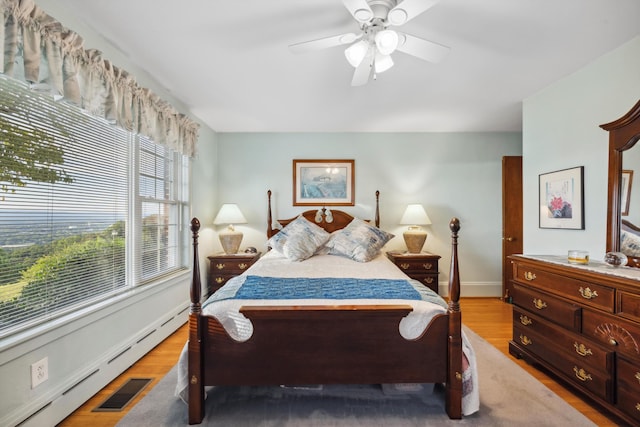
<point x="258" y="287"/>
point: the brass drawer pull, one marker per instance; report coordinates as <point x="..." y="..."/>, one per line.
<point x="539" y="304"/>
<point x="587" y="293"/>
<point x="427" y="266"/>
<point x="638" y="376"/>
<point x="582" y="350"/>
<point x="581" y="374"/>
<point x="220" y="266"/>
<point x="529" y="275"/>
<point x="525" y="320"/>
<point x="219" y="280"/>
<point x="405" y="265"/>
<point x="525" y="340"/>
<point x="637" y="406"/>
<point x="428" y="280"/>
<point x="242" y="266"/>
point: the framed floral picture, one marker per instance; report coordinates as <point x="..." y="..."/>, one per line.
<point x="323" y="183"/>
<point x="562" y="199"/>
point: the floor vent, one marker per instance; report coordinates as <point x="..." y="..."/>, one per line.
<point x="122" y="396"/>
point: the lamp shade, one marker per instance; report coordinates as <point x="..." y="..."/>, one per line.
<point x="230" y="239"/>
<point x="415" y="236"/>
<point x="230" y="214"/>
<point x="415" y="215"/>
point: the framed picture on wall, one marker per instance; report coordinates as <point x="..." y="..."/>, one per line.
<point x="625" y="186"/>
<point x="323" y="183"/>
<point x="562" y="199"/>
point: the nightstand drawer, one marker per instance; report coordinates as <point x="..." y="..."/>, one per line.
<point x="422" y="267"/>
<point x="231" y="265"/>
<point x="223" y="267"/>
<point x="547" y="306"/>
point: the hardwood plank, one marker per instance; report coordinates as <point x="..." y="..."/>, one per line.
<point x="488" y="317"/>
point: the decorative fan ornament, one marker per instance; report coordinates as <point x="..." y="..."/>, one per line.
<point x="370" y="51"/>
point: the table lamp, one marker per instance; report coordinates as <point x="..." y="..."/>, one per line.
<point x="230" y="239"/>
<point x="415" y="236"/>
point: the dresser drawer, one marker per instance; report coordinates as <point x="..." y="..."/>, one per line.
<point x="629" y="305"/>
<point x="547" y="306"/>
<point x="571" y="367"/>
<point x="629" y="375"/>
<point x="628" y="401"/>
<point x="615" y="333"/>
<point x="574" y="345"/>
<point x="595" y="295"/>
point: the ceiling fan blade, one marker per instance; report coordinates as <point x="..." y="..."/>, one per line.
<point x="407" y="10"/>
<point x="363" y="71"/>
<point x="423" y="49"/>
<point x="359" y="9"/>
<point x="324" y="43"/>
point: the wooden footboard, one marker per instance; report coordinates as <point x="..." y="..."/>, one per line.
<point x="298" y="345"/>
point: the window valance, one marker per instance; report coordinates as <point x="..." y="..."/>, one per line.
<point x="50" y="57"/>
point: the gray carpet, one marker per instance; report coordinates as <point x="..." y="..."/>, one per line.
<point x="509" y="396"/>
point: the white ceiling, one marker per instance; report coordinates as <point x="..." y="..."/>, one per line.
<point x="228" y="61"/>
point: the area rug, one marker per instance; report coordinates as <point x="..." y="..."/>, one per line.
<point x="508" y="396"/>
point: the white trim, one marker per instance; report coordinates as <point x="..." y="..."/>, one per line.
<point x="474" y="289"/>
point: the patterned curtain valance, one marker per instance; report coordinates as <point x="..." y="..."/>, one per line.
<point x="49" y="57"/>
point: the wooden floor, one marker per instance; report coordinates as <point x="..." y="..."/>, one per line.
<point x="488" y="317"/>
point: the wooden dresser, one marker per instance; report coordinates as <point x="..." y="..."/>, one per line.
<point x="582" y="323"/>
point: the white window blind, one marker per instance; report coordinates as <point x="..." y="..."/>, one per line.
<point x="66" y="225"/>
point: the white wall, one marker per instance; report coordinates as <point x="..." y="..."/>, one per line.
<point x="561" y="130"/>
<point x="89" y="349"/>
<point x="451" y="174"/>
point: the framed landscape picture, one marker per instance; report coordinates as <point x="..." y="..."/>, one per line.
<point x="323" y="183"/>
<point x="562" y="199"/>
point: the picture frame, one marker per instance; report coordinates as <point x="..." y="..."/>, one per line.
<point x="625" y="191"/>
<point x="561" y="195"/>
<point x="323" y="182"/>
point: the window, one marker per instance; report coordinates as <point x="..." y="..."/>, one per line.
<point x="87" y="210"/>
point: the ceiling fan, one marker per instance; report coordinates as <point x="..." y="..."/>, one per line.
<point x="370" y="51"/>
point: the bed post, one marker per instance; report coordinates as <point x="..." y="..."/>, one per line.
<point x="269" y="218"/>
<point x="454" y="373"/>
<point x="196" y="386"/>
<point x="377" y="217"/>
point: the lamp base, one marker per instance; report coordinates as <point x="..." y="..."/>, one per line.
<point x="230" y="241"/>
<point x="414" y="238"/>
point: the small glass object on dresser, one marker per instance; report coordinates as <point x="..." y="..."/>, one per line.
<point x="575" y="256"/>
<point x="615" y="259"/>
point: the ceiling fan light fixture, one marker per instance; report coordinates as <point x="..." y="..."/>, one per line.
<point x="386" y="41"/>
<point x="363" y="15"/>
<point x="356" y="53"/>
<point x="397" y="16"/>
<point x="382" y="62"/>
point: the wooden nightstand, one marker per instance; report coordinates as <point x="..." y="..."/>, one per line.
<point x="223" y="267"/>
<point x="422" y="267"/>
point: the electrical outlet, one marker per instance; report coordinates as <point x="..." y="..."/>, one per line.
<point x="39" y="372"/>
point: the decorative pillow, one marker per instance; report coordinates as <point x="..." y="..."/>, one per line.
<point x="299" y="240"/>
<point x="629" y="243"/>
<point x="359" y="241"/>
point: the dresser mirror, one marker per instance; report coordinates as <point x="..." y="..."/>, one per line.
<point x="623" y="204"/>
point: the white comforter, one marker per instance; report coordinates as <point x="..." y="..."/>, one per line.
<point x="274" y="264"/>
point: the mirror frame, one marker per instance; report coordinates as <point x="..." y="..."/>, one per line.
<point x="623" y="134"/>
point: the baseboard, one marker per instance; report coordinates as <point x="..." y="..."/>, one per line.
<point x="74" y="392"/>
<point x="474" y="289"/>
